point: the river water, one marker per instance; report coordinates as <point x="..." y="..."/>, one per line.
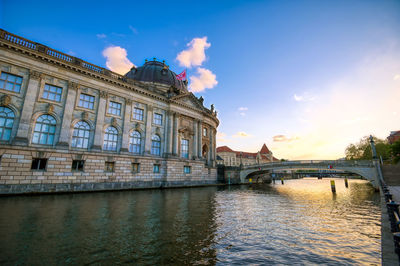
<point x="300" y="222"/>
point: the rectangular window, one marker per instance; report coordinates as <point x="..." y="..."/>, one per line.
<point x="205" y="132"/>
<point x="109" y="166"/>
<point x="157" y="119"/>
<point x="138" y="114"/>
<point x="185" y="148"/>
<point x="52" y="93"/>
<point x="156" y="168"/>
<point x="39" y="164"/>
<point x="135" y="168"/>
<point x="86" y="101"/>
<point x="114" y="108"/>
<point x="77" y="165"/>
<point x="186" y="169"/>
<point x="10" y="82"/>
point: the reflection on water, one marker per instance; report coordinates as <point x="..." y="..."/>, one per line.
<point x="300" y="222"/>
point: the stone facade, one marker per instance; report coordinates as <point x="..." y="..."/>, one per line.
<point x="68" y="125"/>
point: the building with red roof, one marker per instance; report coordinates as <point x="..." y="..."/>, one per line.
<point x="229" y="157"/>
<point x="394" y="136"/>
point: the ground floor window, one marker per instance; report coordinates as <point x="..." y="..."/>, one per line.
<point x="77" y="165"/>
<point x="186" y="169"/>
<point x="39" y="164"/>
<point x="109" y="166"/>
<point x="156" y="168"/>
<point x="135" y="168"/>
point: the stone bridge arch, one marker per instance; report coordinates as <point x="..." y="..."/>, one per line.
<point x="365" y="169"/>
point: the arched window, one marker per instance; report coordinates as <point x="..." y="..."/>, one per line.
<point x="110" y="139"/>
<point x="155" y="145"/>
<point x="45" y="129"/>
<point x="80" y="137"/>
<point x="134" y="142"/>
<point x="6" y="122"/>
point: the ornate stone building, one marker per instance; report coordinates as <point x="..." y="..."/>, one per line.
<point x="68" y="125"/>
<point x="228" y="157"/>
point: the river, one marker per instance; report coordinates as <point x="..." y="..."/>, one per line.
<point x="300" y="222"/>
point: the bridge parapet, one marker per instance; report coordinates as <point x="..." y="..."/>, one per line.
<point x="302" y="163"/>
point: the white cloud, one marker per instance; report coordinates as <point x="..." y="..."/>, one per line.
<point x="117" y="60"/>
<point x="243" y="108"/>
<point x="195" y="54"/>
<point x="298" y="98"/>
<point x="222" y="137"/>
<point x="283" y="138"/>
<point x="304" y="97"/>
<point x="101" y="35"/>
<point x="241" y="134"/>
<point x="204" y="80"/>
<point x="133" y="29"/>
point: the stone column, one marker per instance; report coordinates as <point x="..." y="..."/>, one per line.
<point x="126" y="127"/>
<point x="170" y="129"/>
<point x="195" y="139"/>
<point x="200" y="139"/>
<point x="101" y="109"/>
<point x="175" y="149"/>
<point x="64" y="140"/>
<point x="147" y="142"/>
<point x="32" y="89"/>
<point x="211" y="151"/>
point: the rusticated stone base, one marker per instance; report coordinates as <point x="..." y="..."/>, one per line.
<point x="18" y="174"/>
<point x="90" y="187"/>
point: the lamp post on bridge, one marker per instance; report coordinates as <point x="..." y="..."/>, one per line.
<point x="373" y="149"/>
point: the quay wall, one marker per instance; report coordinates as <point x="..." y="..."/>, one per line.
<point x="17" y="177"/>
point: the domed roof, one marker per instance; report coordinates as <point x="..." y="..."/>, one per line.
<point x="158" y="72"/>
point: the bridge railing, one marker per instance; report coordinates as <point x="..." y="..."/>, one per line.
<point x="362" y="163"/>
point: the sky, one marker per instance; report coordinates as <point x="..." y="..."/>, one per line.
<point x="305" y="77"/>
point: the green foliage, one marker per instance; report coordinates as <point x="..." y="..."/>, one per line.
<point x="395" y="151"/>
<point x="362" y="149"/>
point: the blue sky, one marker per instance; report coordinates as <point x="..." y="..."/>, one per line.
<point x="304" y="77"/>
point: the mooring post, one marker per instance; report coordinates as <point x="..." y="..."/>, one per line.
<point x="345" y="182"/>
<point x="333" y="188"/>
<point x="282" y="181"/>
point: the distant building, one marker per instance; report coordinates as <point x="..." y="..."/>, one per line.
<point x="227" y="156"/>
<point x="394" y="136"/>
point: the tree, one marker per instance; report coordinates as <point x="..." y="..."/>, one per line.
<point x="362" y="149"/>
<point x="395" y="151"/>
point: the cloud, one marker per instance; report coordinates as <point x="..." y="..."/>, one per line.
<point x="241" y="134"/>
<point x="304" y="97"/>
<point x="396" y="77"/>
<point x="101" y="35"/>
<point x="222" y="137"/>
<point x="283" y="138"/>
<point x="195" y="54"/>
<point x="204" y="80"/>
<point x="117" y="60"/>
<point x="133" y="29"/>
<point x="242" y="110"/>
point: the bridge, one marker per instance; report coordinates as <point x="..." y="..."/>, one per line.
<point x="365" y="169"/>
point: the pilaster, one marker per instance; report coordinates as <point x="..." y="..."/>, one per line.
<point x="101" y="109"/>
<point x="200" y="139"/>
<point x="126" y="126"/>
<point x="147" y="142"/>
<point x="64" y="139"/>
<point x="175" y="149"/>
<point x="32" y="89"/>
<point x="195" y="139"/>
<point x="170" y="132"/>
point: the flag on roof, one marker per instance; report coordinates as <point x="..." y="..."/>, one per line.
<point x="181" y="76"/>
